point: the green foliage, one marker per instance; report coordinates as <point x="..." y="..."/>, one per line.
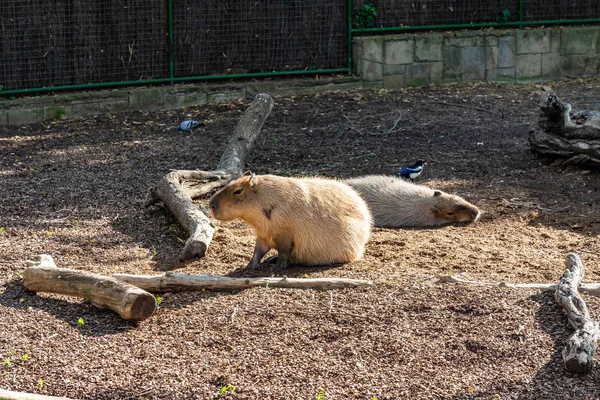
<point x="504" y="16"/>
<point x="40" y="383"/>
<point x="366" y="15"/>
<point x="1" y="88"/>
<point x="80" y="322"/>
<point x="225" y="390"/>
<point x="321" y="394"/>
<point x="60" y="113"/>
<point x="25" y="357"/>
<point x="2" y="229"/>
<point x="158" y="300"/>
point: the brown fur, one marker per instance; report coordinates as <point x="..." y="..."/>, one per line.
<point x="397" y="203"/>
<point x="307" y="220"/>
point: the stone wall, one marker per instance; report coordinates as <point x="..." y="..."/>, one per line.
<point x="417" y="59"/>
<point x="30" y="109"/>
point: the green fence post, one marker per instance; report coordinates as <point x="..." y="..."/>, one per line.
<point x="349" y="16"/>
<point x="171" y="57"/>
<point x="521" y="14"/>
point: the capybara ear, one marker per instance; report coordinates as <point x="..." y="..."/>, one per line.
<point x="253" y="180"/>
<point x="248" y="173"/>
<point x="437" y="193"/>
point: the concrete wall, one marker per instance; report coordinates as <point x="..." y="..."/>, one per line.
<point x="418" y="59"/>
<point x="27" y="110"/>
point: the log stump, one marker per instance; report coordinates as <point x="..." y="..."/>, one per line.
<point x="571" y="135"/>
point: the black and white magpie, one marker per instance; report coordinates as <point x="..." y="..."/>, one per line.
<point x="411" y="172"/>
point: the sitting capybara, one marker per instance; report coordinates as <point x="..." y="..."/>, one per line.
<point x="308" y="221"/>
<point x="397" y="203"/>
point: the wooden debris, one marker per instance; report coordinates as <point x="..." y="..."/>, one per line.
<point x="176" y="192"/>
<point x="578" y="353"/>
<point x="572" y="135"/>
<point x="173" y="282"/>
<point x="9" y="395"/>
<point x="130" y="302"/>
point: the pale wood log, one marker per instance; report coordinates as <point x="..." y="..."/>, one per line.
<point x="130" y="302"/>
<point x="578" y="354"/>
<point x="589" y="288"/>
<point x="174" y="282"/>
<point x="9" y="395"/>
<point x="177" y="189"/>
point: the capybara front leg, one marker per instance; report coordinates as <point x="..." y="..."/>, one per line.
<point x="284" y="250"/>
<point x="260" y="249"/>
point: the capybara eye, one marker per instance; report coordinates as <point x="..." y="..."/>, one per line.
<point x="238" y="191"/>
<point x="449" y="213"/>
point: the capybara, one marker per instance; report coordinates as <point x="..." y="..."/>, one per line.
<point x="310" y="221"/>
<point x="397" y="203"/>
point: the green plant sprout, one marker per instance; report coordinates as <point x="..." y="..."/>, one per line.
<point x="366" y="15"/>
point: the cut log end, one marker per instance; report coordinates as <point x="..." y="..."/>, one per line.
<point x="193" y="250"/>
<point x="141" y="308"/>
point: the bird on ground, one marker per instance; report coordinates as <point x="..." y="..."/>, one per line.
<point x="188" y="126"/>
<point x="412" y="172"/>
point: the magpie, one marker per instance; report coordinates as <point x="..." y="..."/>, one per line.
<point x="188" y="126"/>
<point x="411" y="172"/>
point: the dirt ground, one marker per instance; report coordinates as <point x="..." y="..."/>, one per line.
<point x="74" y="188"/>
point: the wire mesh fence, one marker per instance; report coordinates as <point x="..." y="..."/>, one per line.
<point x="405" y="14"/>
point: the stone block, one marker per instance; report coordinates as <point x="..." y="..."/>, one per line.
<point x="428" y="47"/>
<point x="373" y="49"/>
<point x="453" y="62"/>
<point x="372" y="71"/>
<point x="436" y="72"/>
<point x="110" y="94"/>
<point x="71" y="97"/>
<point x="529" y="66"/>
<point x="491" y="41"/>
<point x="393" y="81"/>
<point x="551" y="65"/>
<point x="3" y="118"/>
<point x="465" y="40"/>
<point x="113" y="105"/>
<point x="57" y="112"/>
<point x="417" y="74"/>
<point x="578" y="40"/>
<point x="491" y="57"/>
<point x="373" y="85"/>
<point x="555" y="38"/>
<point x="500" y="75"/>
<point x="473" y="63"/>
<point x="7" y="102"/>
<point x="22" y="116"/>
<point x="227" y="97"/>
<point x="533" y="41"/>
<point x="179" y="100"/>
<point x="506" y="52"/>
<point x="39" y="100"/>
<point x="146" y="99"/>
<point x="85" y="108"/>
<point x="394" y="69"/>
<point x="399" y="51"/>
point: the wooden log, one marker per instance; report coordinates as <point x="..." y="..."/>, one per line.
<point x="173" y="282"/>
<point x="130" y="302"/>
<point x="569" y="134"/>
<point x="175" y="191"/>
<point x="589" y="288"/>
<point x="9" y="395"/>
<point x="578" y="353"/>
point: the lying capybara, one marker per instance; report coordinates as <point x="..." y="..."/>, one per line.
<point x="397" y="203"/>
<point x="309" y="221"/>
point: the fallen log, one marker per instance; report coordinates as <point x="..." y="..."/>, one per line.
<point x="578" y="353"/>
<point x="130" y="302"/>
<point x="174" y="282"/>
<point x="9" y="395"/>
<point x="570" y="134"/>
<point x="176" y="192"/>
<point x="589" y="288"/>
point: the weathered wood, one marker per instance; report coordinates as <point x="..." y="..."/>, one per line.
<point x="130" y="302"/>
<point x="173" y="282"/>
<point x="589" y="288"/>
<point x="563" y="132"/>
<point x="9" y="395"/>
<point x="578" y="354"/>
<point x="177" y="189"/>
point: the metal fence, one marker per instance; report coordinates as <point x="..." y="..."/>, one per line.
<point x="50" y="45"/>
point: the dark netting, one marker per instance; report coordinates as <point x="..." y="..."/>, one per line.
<point x="218" y="37"/>
<point x="52" y="43"/>
<point x="536" y="10"/>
